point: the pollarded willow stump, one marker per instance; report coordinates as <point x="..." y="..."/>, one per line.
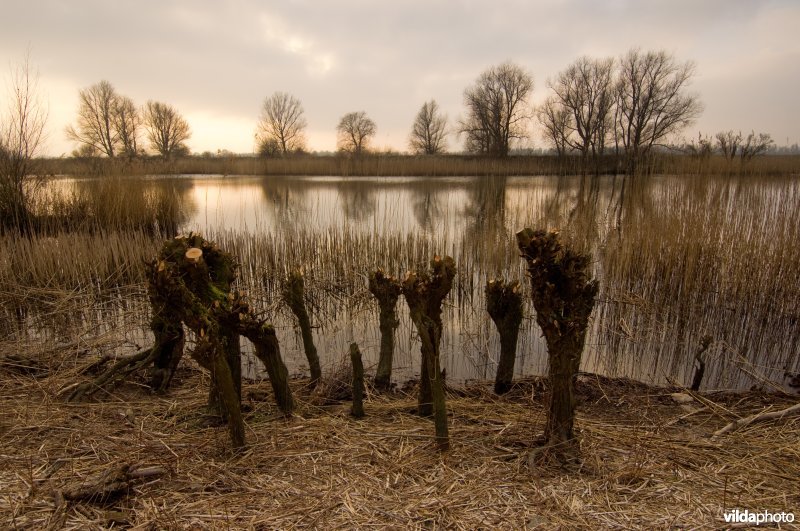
<point x="424" y="293"/>
<point x="293" y="293"/>
<point x="189" y="284"/>
<point x="563" y="297"/>
<point x="386" y="290"/>
<point x="504" y="305"/>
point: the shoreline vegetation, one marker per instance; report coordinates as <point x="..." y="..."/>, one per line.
<point x="710" y="251"/>
<point x="397" y="165"/>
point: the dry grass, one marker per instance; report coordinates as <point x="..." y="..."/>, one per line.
<point x="408" y="165"/>
<point x="647" y="461"/>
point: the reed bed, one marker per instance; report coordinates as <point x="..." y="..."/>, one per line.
<point x="648" y="463"/>
<point x="678" y="258"/>
<point x="397" y="165"/>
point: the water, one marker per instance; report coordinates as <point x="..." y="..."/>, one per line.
<point x="646" y="324"/>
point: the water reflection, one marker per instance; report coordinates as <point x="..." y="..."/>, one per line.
<point x="677" y="259"/>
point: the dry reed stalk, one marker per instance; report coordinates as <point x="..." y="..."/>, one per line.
<point x="320" y="469"/>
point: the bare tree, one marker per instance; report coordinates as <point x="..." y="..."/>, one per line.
<point x="95" y="125"/>
<point x="429" y="130"/>
<point x="282" y="123"/>
<point x="166" y="129"/>
<point x="728" y="143"/>
<point x="584" y="92"/>
<point x="554" y="119"/>
<point x="652" y="102"/>
<point x="702" y="148"/>
<point x="755" y="145"/>
<point x="354" y="132"/>
<point x="127" y="124"/>
<point x="497" y="110"/>
<point x="21" y="135"/>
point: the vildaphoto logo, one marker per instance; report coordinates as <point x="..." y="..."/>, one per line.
<point x="738" y="516"/>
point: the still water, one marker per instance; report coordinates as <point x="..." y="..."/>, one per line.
<point x="664" y="252"/>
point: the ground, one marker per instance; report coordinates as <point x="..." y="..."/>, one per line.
<point x="647" y="461"/>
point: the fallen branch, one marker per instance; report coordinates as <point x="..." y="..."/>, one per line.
<point x="110" y="484"/>
<point x="758" y="417"/>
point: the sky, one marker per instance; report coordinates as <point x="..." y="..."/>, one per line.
<point x="216" y="62"/>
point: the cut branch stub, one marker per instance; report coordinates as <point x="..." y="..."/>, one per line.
<point x="504" y="305"/>
<point x="563" y="297"/>
<point x="386" y="290"/>
<point x="194" y="255"/>
<point x="424" y="293"/>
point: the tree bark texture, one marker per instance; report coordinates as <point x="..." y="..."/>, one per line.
<point x="424" y="293"/>
<point x="504" y="305"/>
<point x="563" y="297"/>
<point x="293" y="295"/>
<point x="386" y="290"/>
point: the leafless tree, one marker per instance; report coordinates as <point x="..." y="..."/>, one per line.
<point x="282" y="123"/>
<point x="96" y="127"/>
<point x="584" y="92"/>
<point x="497" y="109"/>
<point x="755" y="145"/>
<point x="127" y="123"/>
<point x="554" y="119"/>
<point x="21" y="136"/>
<point x="728" y="143"/>
<point x="166" y="129"/>
<point x="429" y="130"/>
<point x="652" y="102"/>
<point x="702" y="148"/>
<point x="354" y="132"/>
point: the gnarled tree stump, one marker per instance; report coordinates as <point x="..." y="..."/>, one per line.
<point x="563" y="296"/>
<point x="386" y="290"/>
<point x="189" y="284"/>
<point x="424" y="293"/>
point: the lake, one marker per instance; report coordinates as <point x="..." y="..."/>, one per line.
<point x="678" y="258"/>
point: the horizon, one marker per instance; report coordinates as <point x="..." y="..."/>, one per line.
<point x="217" y="63"/>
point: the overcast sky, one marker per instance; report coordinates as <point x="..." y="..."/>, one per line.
<point x="216" y="61"/>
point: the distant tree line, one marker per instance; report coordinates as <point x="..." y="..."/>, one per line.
<point x="731" y="145"/>
<point x="627" y="107"/>
<point x="111" y="124"/>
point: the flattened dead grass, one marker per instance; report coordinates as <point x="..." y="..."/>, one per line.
<point x="648" y="462"/>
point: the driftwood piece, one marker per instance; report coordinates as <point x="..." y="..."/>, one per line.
<point x="386" y="290"/>
<point x="109" y="484"/>
<point x="424" y="293"/>
<point x="504" y="305"/>
<point x="293" y="293"/>
<point x="758" y="417"/>
<point x="358" y="381"/>
<point x="563" y="297"/>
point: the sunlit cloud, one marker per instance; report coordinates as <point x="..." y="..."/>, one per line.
<point x="278" y="33"/>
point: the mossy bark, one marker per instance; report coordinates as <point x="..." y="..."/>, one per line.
<point x="424" y="293"/>
<point x="293" y="295"/>
<point x="563" y="296"/>
<point x="386" y="290"/>
<point x="504" y="305"/>
<point x="268" y="351"/>
<point x="169" y="343"/>
<point x="189" y="284"/>
<point x="358" y="381"/>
